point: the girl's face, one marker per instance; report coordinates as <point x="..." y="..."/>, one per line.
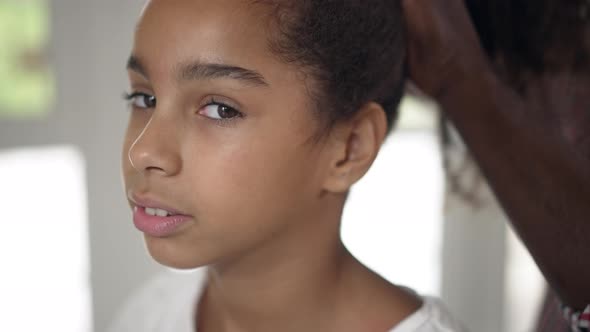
<point x="220" y="132"/>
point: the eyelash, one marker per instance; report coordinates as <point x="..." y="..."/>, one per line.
<point x="213" y="102"/>
<point x="129" y="97"/>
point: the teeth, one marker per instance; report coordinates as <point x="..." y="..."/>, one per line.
<point x="161" y="213"/>
<point x="157" y="212"/>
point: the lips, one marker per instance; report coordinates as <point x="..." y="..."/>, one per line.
<point x="154" y="205"/>
<point x="158" y="226"/>
<point x="157" y="219"/>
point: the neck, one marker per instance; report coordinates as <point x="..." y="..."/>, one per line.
<point x="282" y="287"/>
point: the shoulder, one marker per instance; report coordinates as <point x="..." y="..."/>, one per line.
<point x="165" y="301"/>
<point x="433" y="316"/>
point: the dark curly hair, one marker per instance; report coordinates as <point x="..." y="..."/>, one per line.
<point x="354" y="50"/>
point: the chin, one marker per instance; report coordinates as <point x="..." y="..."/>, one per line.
<point x="168" y="253"/>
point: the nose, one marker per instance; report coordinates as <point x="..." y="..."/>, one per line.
<point x="156" y="149"/>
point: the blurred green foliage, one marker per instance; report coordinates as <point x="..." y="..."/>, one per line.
<point x="26" y="81"/>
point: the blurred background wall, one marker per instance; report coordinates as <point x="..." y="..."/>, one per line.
<point x="81" y="51"/>
<point x="70" y="254"/>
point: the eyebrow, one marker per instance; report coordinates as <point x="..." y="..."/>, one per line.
<point x="135" y="65"/>
<point x="203" y="71"/>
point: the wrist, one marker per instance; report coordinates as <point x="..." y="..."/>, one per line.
<point x="473" y="84"/>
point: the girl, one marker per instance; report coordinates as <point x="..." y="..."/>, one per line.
<point x="251" y="120"/>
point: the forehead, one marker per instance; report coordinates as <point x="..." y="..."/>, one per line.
<point x="170" y="32"/>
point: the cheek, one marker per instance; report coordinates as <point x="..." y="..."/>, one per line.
<point x="252" y="178"/>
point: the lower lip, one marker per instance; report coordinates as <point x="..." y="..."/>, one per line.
<point x="157" y="226"/>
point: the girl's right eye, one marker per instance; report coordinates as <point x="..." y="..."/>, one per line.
<point x="141" y="100"/>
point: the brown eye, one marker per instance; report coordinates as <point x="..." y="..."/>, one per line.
<point x="142" y="100"/>
<point x="150" y="101"/>
<point x="226" y="112"/>
<point x="219" y="112"/>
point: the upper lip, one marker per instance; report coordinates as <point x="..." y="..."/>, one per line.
<point x="146" y="201"/>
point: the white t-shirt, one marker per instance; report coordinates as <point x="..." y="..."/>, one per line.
<point x="168" y="303"/>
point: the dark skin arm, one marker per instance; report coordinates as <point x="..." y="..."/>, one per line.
<point x="533" y="148"/>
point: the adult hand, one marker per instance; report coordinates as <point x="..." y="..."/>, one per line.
<point x="443" y="47"/>
<point x="532" y="145"/>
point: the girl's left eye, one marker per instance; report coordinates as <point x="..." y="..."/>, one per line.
<point x="141" y="100"/>
<point x="218" y="111"/>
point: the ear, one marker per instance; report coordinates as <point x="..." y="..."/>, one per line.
<point x="355" y="144"/>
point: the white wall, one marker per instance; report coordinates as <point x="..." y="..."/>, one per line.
<point x="92" y="40"/>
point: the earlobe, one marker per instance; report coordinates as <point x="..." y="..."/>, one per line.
<point x="357" y="145"/>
